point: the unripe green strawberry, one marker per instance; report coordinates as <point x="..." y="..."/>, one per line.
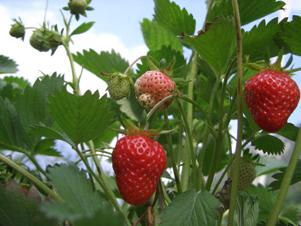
<point x="78" y="7"/>
<point x="247" y="173"/>
<point x="153" y="86"/>
<point x="17" y="30"/>
<point x="44" y="39"/>
<point x="119" y="86"/>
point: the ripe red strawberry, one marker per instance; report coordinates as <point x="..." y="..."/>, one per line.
<point x="271" y="97"/>
<point x="138" y="163"/>
<point x="153" y="86"/>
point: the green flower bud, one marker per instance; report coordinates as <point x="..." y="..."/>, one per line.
<point x="44" y="39"/>
<point x="17" y="30"/>
<point x="78" y="7"/>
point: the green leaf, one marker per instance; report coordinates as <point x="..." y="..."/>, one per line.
<point x="167" y="54"/>
<point x="19" y="82"/>
<point x="278" y="176"/>
<point x="33" y="104"/>
<point x="82" y="118"/>
<point x="170" y="16"/>
<point x="262" y="41"/>
<point x="289" y="131"/>
<point x="291" y="35"/>
<point x="131" y="108"/>
<point x="82" y="205"/>
<point x="269" y="144"/>
<point x="249" y="10"/>
<point x="104" y="62"/>
<point x="292" y="214"/>
<point x="155" y="36"/>
<point x="17" y="210"/>
<point x="247" y="209"/>
<point x="191" y="208"/>
<point x="46" y="147"/>
<point x="266" y="200"/>
<point x="82" y="28"/>
<point x="12" y="134"/>
<point x="216" y="46"/>
<point x="7" y="65"/>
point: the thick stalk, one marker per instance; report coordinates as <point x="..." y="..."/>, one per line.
<point x="220" y="138"/>
<point x="286" y="180"/>
<point x="172" y="155"/>
<point x="191" y="77"/>
<point x="75" y="80"/>
<point x="31" y="177"/>
<point x="234" y="186"/>
<point x="190" y="155"/>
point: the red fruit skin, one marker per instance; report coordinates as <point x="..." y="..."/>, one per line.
<point x="138" y="163"/>
<point x="271" y="97"/>
<point x="154" y="85"/>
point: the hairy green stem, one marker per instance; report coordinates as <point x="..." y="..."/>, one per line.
<point x="109" y="194"/>
<point x="36" y="164"/>
<point x="31" y="177"/>
<point x="155" y="109"/>
<point x="172" y="156"/>
<point x="220" y="138"/>
<point x="286" y="180"/>
<point x="234" y="186"/>
<point x="190" y="155"/>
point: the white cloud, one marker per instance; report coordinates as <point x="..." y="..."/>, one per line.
<point x="31" y="62"/>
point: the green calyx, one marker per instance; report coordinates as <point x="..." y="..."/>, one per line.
<point x="17" y="29"/>
<point x="78" y="7"/>
<point x="43" y="40"/>
<point x="247" y="173"/>
<point x="119" y="86"/>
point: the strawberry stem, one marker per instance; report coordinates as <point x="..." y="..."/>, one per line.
<point x="172" y="157"/>
<point x="132" y="64"/>
<point x="234" y="186"/>
<point x="190" y="155"/>
<point x="31" y="177"/>
<point x="155" y="108"/>
<point x="286" y="181"/>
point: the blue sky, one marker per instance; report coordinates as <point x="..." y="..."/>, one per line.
<point x="117" y="26"/>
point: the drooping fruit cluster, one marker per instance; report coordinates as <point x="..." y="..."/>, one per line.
<point x="271" y="97"/>
<point x="153" y="86"/>
<point x="119" y="86"/>
<point x="138" y="163"/>
<point x="247" y="173"/>
<point x="43" y="39"/>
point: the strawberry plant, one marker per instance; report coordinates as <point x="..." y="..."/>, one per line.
<point x="165" y="125"/>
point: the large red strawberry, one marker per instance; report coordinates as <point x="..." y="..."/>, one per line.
<point x="138" y="163"/>
<point x="153" y="86"/>
<point x="271" y="97"/>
